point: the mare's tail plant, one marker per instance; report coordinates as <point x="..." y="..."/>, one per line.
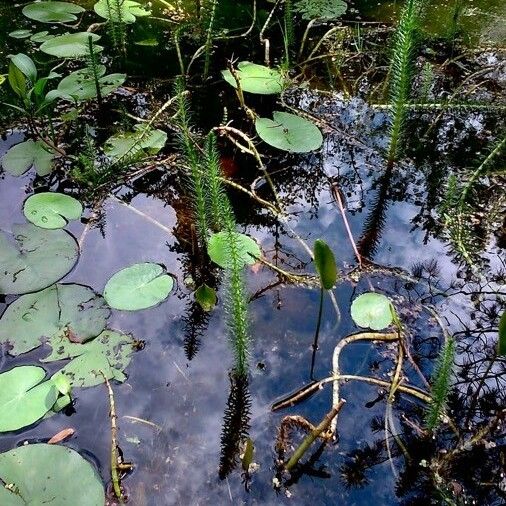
<point x="401" y="72"/>
<point x="116" y="25"/>
<point x="92" y="67"/>
<point x="209" y="37"/>
<point x="441" y="383"/>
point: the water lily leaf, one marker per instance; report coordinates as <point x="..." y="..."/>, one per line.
<point x="325" y="264"/>
<point x="41" y="37"/>
<point x="289" y="132"/>
<point x="80" y="85"/>
<point x="73" y="312"/>
<point x="20" y="34"/>
<point x="219" y="249"/>
<point x="372" y="310"/>
<point x="501" y="345"/>
<point x="34" y="258"/>
<point x="48" y="474"/>
<point x="71" y="45"/>
<point x="109" y="353"/>
<point x="52" y="210"/>
<point x="52" y="12"/>
<point x="320" y="9"/>
<point x="206" y="297"/>
<point x="23" y="398"/>
<point x="255" y="78"/>
<point x="138" y="287"/>
<point x="26" y="154"/>
<point x="136" y="144"/>
<point x="128" y="12"/>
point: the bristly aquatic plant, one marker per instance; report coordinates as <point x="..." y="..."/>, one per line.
<point x="217" y="199"/>
<point x="92" y="67"/>
<point x="116" y="25"/>
<point x="209" y="37"/>
<point x="401" y="71"/>
<point x="441" y="383"/>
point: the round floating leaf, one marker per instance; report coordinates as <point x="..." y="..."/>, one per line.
<point x="52" y="12"/>
<point x="255" y="78"/>
<point x="80" y="85"/>
<point x="26" y="154"/>
<point x="71" y="45"/>
<point x="41" y="37"/>
<point x="289" y="132"/>
<point x="20" y="34"/>
<point x="138" y="287"/>
<point x="109" y="353"/>
<point x="23" y="399"/>
<point x="220" y="251"/>
<point x="128" y="12"/>
<point x="206" y="297"/>
<point x="52" y="210"/>
<point x="34" y="258"/>
<point x="501" y="346"/>
<point x="372" y="310"/>
<point x="48" y="474"/>
<point x="325" y="264"/>
<point x="72" y="311"/>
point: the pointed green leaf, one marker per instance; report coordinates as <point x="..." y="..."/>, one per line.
<point x="501" y="345"/>
<point x="206" y="297"/>
<point x="325" y="264"/>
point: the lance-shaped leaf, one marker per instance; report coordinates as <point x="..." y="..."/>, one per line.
<point x="325" y="264"/>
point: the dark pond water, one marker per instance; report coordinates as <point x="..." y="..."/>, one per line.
<point x="174" y="408"/>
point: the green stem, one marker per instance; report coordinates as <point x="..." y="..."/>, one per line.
<point x="316" y="335"/>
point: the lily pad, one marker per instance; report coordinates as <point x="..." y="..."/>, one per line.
<point x="372" y="310"/>
<point x="109" y="353"/>
<point x="26" y="154"/>
<point x="219" y="249"/>
<point x="289" y="132"/>
<point x="41" y="37"/>
<point x="34" y="258"/>
<point x="255" y="78"/>
<point x="20" y="34"/>
<point x="71" y="45"/>
<point x="52" y="12"/>
<point x="52" y="210"/>
<point x="71" y="311"/>
<point x="23" y="398"/>
<point x="80" y="85"/>
<point x="48" y="474"/>
<point x="206" y="297"/>
<point x="134" y="145"/>
<point x="128" y="12"/>
<point x="320" y="9"/>
<point x="138" y="287"/>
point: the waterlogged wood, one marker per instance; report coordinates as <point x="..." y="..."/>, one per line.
<point x="61" y="436"/>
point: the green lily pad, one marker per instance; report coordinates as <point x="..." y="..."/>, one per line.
<point x="138" y="287"/>
<point x="26" y="154"/>
<point x="34" y="258"/>
<point x="71" y="45"/>
<point x="48" y="474"/>
<point x="128" y="12"/>
<point x="255" y="78"/>
<point x="206" y="297"/>
<point x="289" y="132"/>
<point x="41" y="37"/>
<point x="320" y="9"/>
<point x="372" y="310"/>
<point x="109" y="353"/>
<point x="136" y="144"/>
<point x="219" y="249"/>
<point x="23" y="398"/>
<point x="325" y="264"/>
<point x="71" y="311"/>
<point x="20" y="34"/>
<point x="80" y="85"/>
<point x="52" y="210"/>
<point x="52" y="12"/>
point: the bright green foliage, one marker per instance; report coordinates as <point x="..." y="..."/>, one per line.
<point x="217" y="200"/>
<point x="255" y="78"/>
<point x="320" y="9"/>
<point x="55" y="311"/>
<point x="289" y="132"/>
<point x="80" y="85"/>
<point x="28" y="154"/>
<point x="220" y="249"/>
<point x="20" y="34"/>
<point x="126" y="11"/>
<point x="71" y="45"/>
<point x="26" y="65"/>
<point x="52" y="12"/>
<point x="138" y="287"/>
<point x="501" y="343"/>
<point x="23" y="398"/>
<point x="325" y="264"/>
<point x="441" y="383"/>
<point x="109" y="353"/>
<point x="52" y="210"/>
<point x="48" y="474"/>
<point x="34" y="258"/>
<point x="206" y="297"/>
<point x="40" y="37"/>
<point x="372" y="310"/>
<point x="130" y="146"/>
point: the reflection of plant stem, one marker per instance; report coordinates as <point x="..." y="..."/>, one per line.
<point x="316" y="335"/>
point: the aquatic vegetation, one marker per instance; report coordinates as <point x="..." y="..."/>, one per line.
<point x="52" y="12"/>
<point x="372" y="310"/>
<point x="206" y="297"/>
<point x="27" y="154"/>
<point x="254" y="78"/>
<point x="52" y="210"/>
